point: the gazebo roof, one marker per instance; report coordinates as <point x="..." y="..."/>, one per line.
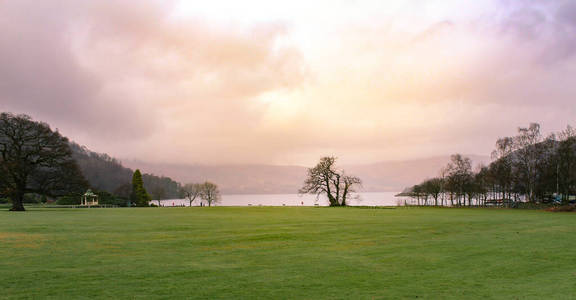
<point x="89" y="193"/>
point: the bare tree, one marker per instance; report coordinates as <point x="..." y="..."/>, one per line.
<point x="502" y="166"/>
<point x="482" y="180"/>
<point x="319" y="180"/>
<point x="417" y="193"/>
<point x="528" y="154"/>
<point x="349" y="183"/>
<point x="35" y="159"/>
<point x="326" y="179"/>
<point x="566" y="163"/>
<point x="567" y="133"/>
<point x="432" y="187"/>
<point x="210" y="193"/>
<point x="159" y="193"/>
<point x="192" y="191"/>
<point x="541" y="170"/>
<point x="459" y="173"/>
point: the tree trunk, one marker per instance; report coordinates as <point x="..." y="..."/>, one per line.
<point x="332" y="200"/>
<point x="17" y="202"/>
<point x="344" y="195"/>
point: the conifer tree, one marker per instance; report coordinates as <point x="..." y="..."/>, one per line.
<point x="139" y="196"/>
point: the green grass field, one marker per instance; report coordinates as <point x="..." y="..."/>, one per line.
<point x="287" y="253"/>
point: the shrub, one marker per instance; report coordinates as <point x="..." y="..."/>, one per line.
<point x="563" y="208"/>
<point x="107" y="198"/>
<point x="68" y="200"/>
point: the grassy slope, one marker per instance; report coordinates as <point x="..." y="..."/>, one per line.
<point x="312" y="253"/>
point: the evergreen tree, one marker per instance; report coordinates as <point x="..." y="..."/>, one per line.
<point x="139" y="196"/>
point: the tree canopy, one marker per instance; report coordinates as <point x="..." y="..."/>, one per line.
<point x="192" y="191"/>
<point x="35" y="159"/>
<point x="210" y="193"/>
<point x="326" y="179"/>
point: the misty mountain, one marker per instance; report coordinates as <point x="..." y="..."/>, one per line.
<point x="233" y="179"/>
<point x="106" y="173"/>
<point x="262" y="179"/>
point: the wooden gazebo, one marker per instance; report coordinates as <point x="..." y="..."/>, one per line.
<point x="89" y="198"/>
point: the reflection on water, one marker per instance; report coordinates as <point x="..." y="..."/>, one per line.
<point x="361" y="199"/>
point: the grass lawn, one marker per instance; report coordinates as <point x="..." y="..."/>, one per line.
<point x="287" y="252"/>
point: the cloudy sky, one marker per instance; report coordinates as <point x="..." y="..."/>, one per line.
<point x="283" y="82"/>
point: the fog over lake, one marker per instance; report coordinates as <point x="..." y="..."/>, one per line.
<point x="360" y="199"/>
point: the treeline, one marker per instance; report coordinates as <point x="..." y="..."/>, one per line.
<point x="526" y="168"/>
<point x="106" y="174"/>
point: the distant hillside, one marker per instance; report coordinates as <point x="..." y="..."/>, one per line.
<point x="262" y="179"/>
<point x="108" y="174"/>
<point x="234" y="179"/>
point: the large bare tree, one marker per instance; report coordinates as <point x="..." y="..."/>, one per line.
<point x="326" y="179"/>
<point x="35" y="159"/>
<point x="192" y="191"/>
<point x="210" y="193"/>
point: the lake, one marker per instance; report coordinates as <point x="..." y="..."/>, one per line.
<point x="361" y="199"/>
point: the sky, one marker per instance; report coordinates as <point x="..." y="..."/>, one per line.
<point x="286" y="82"/>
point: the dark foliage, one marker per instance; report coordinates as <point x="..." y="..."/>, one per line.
<point x="105" y="173"/>
<point x="69" y="200"/>
<point x="35" y="159"/>
<point x="139" y="196"/>
<point x="160" y="187"/>
<point x="105" y="198"/>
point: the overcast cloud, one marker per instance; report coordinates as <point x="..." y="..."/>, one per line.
<point x="267" y="82"/>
